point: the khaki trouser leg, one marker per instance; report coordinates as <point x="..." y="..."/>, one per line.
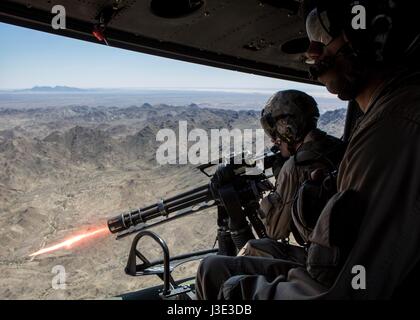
<point x="213" y="271"/>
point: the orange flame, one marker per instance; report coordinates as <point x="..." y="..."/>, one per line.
<point x="71" y="241"/>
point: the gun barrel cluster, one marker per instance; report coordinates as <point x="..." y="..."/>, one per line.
<point x="162" y="208"/>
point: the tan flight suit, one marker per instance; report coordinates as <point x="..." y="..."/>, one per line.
<point x="381" y="168"/>
<point x="277" y="206"/>
<point x="382" y="164"/>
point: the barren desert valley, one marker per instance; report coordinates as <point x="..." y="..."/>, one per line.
<point x="66" y="168"/>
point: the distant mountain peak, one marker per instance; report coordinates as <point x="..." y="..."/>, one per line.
<point x="53" y="89"/>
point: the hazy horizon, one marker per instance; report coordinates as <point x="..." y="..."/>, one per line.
<point x="234" y="99"/>
<point x="42" y="59"/>
<point x="116" y="77"/>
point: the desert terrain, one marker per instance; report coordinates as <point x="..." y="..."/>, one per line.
<point x="66" y="169"/>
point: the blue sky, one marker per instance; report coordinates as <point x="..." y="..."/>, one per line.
<point x="29" y="58"/>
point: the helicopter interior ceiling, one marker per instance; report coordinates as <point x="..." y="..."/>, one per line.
<point x="260" y="37"/>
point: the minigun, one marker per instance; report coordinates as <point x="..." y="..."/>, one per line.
<point x="236" y="187"/>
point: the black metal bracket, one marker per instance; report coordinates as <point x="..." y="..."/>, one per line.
<point x="161" y="268"/>
<point x="132" y="267"/>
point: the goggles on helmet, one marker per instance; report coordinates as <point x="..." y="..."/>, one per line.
<point x="272" y="130"/>
<point x="269" y="124"/>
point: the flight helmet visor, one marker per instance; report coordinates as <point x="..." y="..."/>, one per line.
<point x="318" y="26"/>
